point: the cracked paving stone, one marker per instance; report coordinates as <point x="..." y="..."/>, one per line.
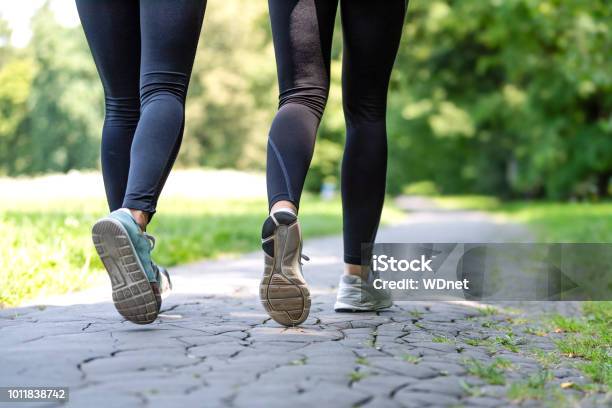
<point x="147" y="383"/>
<point x="294" y="335"/>
<point x="381" y="402"/>
<point x="222" y="349"/>
<point x="403" y="368"/>
<point x="328" y="395"/>
<point x="138" y="360"/>
<point x="481" y="402"/>
<point x="101" y="398"/>
<point x="408" y="398"/>
<point x="217" y="349"/>
<point x="441" y="385"/>
<point x="306" y="371"/>
<point x="383" y="385"/>
<point x="441" y="347"/>
<point x="336" y="360"/>
<point x="325" y="349"/>
<point x="446" y="368"/>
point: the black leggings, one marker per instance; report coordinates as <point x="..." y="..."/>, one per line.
<point x="302" y="31"/>
<point x="144" y="53"/>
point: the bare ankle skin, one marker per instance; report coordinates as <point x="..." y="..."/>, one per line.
<point x="355" y="270"/>
<point x="141" y="217"/>
<point x="283" y="204"/>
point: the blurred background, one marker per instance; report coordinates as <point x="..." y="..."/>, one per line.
<point x="506" y="100"/>
<point x="511" y="98"/>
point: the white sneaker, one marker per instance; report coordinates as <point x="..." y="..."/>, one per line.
<point x="355" y="295"/>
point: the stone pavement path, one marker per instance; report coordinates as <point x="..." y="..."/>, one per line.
<point x="214" y="345"/>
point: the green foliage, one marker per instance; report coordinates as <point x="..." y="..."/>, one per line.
<point x="552" y="222"/>
<point x="233" y="92"/>
<point x="5" y="36"/>
<point x="470" y="202"/>
<point x="62" y="128"/>
<point x="15" y="86"/>
<point x="507" y="98"/>
<point x="45" y="248"/>
<point x="421" y="188"/>
<point x="504" y="97"/>
<point x="325" y="165"/>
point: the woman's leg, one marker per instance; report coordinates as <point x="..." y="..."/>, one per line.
<point x="302" y="32"/>
<point x="151" y="47"/>
<point x="113" y="33"/>
<point x="169" y="36"/>
<point x="372" y="32"/>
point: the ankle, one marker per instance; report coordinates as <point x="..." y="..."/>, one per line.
<point x="141" y="218"/>
<point x="284" y="206"/>
<point x="354" y="270"/>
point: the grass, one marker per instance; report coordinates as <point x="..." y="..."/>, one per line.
<point x="356" y="376"/>
<point x="487" y="311"/>
<point x="441" y="339"/>
<point x="534" y="387"/>
<point x="509" y="341"/>
<point x="362" y="361"/>
<point x="411" y="358"/>
<point x="45" y="247"/>
<point x="547" y="359"/>
<point x="416" y="314"/>
<point x="492" y="373"/>
<point x="587" y="338"/>
<point x="477" y="342"/>
<point x="551" y="221"/>
<point x="471" y="390"/>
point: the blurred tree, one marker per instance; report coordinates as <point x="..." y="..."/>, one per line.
<point x="62" y="129"/>
<point x="15" y="83"/>
<point x="5" y="38"/>
<point x="325" y="165"/>
<point x="505" y="97"/>
<point x="233" y="92"/>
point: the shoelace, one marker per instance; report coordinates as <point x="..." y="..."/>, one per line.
<point x="304" y="257"/>
<point x="163" y="279"/>
<point x="151" y="239"/>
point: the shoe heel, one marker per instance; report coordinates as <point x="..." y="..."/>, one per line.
<point x="132" y="293"/>
<point x="283" y="291"/>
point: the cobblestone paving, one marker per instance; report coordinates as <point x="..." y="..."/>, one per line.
<point x="214" y="345"/>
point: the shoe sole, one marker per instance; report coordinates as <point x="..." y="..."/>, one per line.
<point x="286" y="300"/>
<point x="133" y="295"/>
<point x="346" y="308"/>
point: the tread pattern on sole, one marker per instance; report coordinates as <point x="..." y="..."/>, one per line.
<point x="283" y="290"/>
<point x="133" y="295"/>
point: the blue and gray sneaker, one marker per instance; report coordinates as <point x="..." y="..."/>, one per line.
<point x="355" y="295"/>
<point x="125" y="250"/>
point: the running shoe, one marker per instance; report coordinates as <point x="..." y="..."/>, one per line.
<point x="138" y="284"/>
<point x="283" y="291"/>
<point x="355" y="295"/>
